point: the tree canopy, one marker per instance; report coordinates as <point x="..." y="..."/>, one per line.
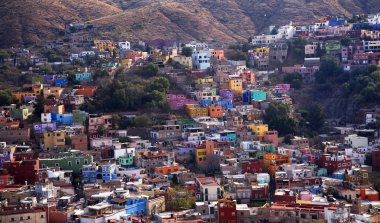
<point x="294" y="79"/>
<point x="5" y="97"/>
<point x="187" y="51"/>
<point x="277" y="115"/>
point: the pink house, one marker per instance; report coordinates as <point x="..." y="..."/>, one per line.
<point x="178" y="101"/>
<point x="281" y="88"/>
<point x="271" y="136"/>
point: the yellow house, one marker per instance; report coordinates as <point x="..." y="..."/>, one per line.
<point x="55" y="91"/>
<point x="104" y="45"/>
<point x="259" y="129"/>
<point x="18" y="96"/>
<point x="195" y="111"/>
<point x="262" y="50"/>
<point x="200" y="154"/>
<point x="57" y="109"/>
<point x="236" y="85"/>
<point x="204" y="80"/>
<point x="185" y="61"/>
<point x="54" y="139"/>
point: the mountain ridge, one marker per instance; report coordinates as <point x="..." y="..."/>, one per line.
<point x="27" y="22"/>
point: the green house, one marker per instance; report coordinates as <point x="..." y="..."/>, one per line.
<point x="67" y="161"/>
<point x="126" y="159"/>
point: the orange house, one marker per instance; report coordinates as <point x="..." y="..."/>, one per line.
<point x="165" y="170"/>
<point x="215" y="111"/>
<point x="248" y="76"/>
<point x="218" y="54"/>
<point x="368" y="194"/>
<point x="271" y="162"/>
<point x="87" y="91"/>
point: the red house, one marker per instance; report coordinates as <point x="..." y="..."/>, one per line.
<point x="24" y="171"/>
<point x="376" y="158"/>
<point x="285" y="196"/>
<point x="333" y="163"/>
<point x="5" y="178"/>
<point x="251" y="166"/>
<point x="227" y="211"/>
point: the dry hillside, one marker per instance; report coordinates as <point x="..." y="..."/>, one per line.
<point x="25" y="22"/>
<point x="30" y="21"/>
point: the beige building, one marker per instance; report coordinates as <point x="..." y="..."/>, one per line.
<point x="23" y="214"/>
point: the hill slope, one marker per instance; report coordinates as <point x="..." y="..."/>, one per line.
<point x="24" y="22"/>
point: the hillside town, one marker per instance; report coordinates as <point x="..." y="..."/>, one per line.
<point x="100" y="130"/>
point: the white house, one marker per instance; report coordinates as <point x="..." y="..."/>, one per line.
<point x="356" y="141"/>
<point x="201" y="60"/>
<point x="125" y="45"/>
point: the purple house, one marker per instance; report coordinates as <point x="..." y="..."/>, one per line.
<point x="178" y="101"/>
<point x="44" y="127"/>
<point x="227" y="94"/>
<point x="4" y="158"/>
<point x="29" y="98"/>
<point x="49" y="78"/>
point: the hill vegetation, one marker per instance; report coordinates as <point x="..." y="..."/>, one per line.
<point x="27" y="22"/>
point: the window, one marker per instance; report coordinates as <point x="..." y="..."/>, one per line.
<point x="42" y="216"/>
<point x="77" y="162"/>
<point x="69" y="163"/>
<point x="57" y="164"/>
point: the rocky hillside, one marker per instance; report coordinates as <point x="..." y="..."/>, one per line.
<point x="24" y="22"/>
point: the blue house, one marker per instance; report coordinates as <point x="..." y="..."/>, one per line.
<point x="136" y="206"/>
<point x="258" y="95"/>
<point x="229" y="136"/>
<point x="62" y="81"/>
<point x="205" y="102"/>
<point x="225" y="104"/>
<point x="338" y="175"/>
<point x="247" y="96"/>
<point x="62" y="119"/>
<point x="335" y="21"/>
<point x="86" y="76"/>
<point x="92" y="173"/>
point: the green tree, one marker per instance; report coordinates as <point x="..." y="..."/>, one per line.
<point x="46" y="68"/>
<point x="5" y="97"/>
<point x="179" y="198"/>
<point x="148" y="71"/>
<point x="187" y="51"/>
<point x="294" y="79"/>
<point x="116" y="120"/>
<point x="4" y="55"/>
<point x="346" y="41"/>
<point x="274" y="31"/>
<point x="39" y="106"/>
<point x="277" y="116"/>
<point x="142" y="121"/>
<point x="329" y="69"/>
<point x="235" y="55"/>
<point x="101" y="130"/>
<point x="314" y="116"/>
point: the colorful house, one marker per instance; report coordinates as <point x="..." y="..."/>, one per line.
<point x="104" y="45"/>
<point x="85" y="76"/>
<point x="62" y="119"/>
<point x="272" y="162"/>
<point x="247" y="96"/>
<point x="178" y="101"/>
<point x="227" y="211"/>
<point x="40" y="128"/>
<point x="226" y="94"/>
<point x="200" y="154"/>
<point x="258" y="95"/>
<point x="225" y="104"/>
<point x="136" y="206"/>
<point x="195" y="111"/>
<point x="215" y="111"/>
<point x="165" y="170"/>
<point x="236" y="85"/>
<point x="92" y="173"/>
<point x="126" y="159"/>
<point x="24" y="171"/>
<point x="204" y="80"/>
<point x="228" y="136"/>
<point x="54" y="139"/>
<point x="259" y="129"/>
<point x="72" y="161"/>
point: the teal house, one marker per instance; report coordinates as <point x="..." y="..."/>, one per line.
<point x="126" y="159"/>
<point x="85" y="76"/>
<point x="258" y="95"/>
